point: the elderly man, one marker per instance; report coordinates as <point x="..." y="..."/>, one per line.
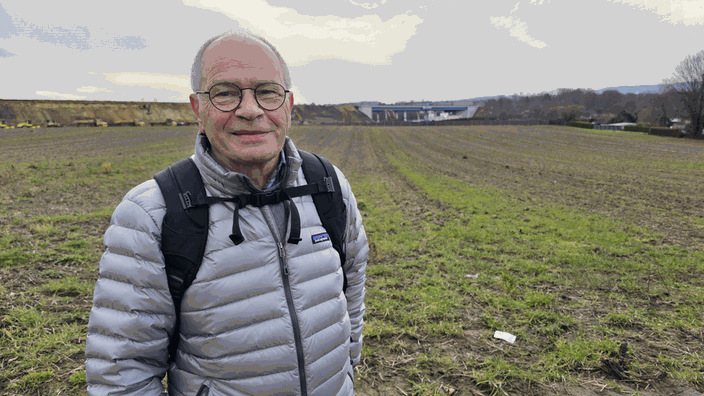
<point x="264" y="314"/>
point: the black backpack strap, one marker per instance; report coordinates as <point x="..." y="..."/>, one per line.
<point x="184" y="231"/>
<point x="185" y="226"/>
<point x="330" y="205"/>
<point x="273" y="197"/>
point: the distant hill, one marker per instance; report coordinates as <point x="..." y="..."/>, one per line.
<point x="636" y="89"/>
<point x="624" y="89"/>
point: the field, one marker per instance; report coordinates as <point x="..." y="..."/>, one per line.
<point x="588" y="246"/>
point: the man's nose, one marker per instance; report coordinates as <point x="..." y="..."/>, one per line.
<point x="249" y="108"/>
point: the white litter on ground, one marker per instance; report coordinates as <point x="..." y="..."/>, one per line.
<point x="508" y="337"/>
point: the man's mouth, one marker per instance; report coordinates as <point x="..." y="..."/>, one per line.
<point x="245" y="132"/>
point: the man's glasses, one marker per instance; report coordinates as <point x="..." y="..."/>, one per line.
<point x="227" y="97"/>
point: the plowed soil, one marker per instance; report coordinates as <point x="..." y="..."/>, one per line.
<point x="642" y="181"/>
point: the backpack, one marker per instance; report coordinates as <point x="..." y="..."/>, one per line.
<point x="185" y="226"/>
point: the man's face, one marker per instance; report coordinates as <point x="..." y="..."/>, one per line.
<point x="249" y="136"/>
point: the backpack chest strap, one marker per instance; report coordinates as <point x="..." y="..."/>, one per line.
<point x="263" y="199"/>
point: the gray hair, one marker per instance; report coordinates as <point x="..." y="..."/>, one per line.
<point x="196" y="69"/>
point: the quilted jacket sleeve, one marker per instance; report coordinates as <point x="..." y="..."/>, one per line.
<point x="357" y="252"/>
<point x="132" y="314"/>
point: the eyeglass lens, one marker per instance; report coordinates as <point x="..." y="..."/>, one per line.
<point x="227" y="97"/>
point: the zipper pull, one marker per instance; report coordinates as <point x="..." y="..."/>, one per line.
<point x="282" y="254"/>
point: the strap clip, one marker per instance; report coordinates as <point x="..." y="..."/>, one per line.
<point x="329" y="184"/>
<point x="186" y="200"/>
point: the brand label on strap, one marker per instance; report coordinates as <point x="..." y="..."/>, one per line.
<point x="318" y="238"/>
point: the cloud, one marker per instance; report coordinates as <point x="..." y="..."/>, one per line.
<point x="56" y="95"/>
<point x="75" y="37"/>
<point x="89" y="89"/>
<point x="5" y="54"/>
<point x="176" y="83"/>
<point x="689" y="12"/>
<point x="367" y="5"/>
<point x="303" y="38"/>
<point x="128" y="42"/>
<point x="517" y="29"/>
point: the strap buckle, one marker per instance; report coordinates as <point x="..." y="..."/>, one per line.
<point x="186" y="200"/>
<point x="263" y="199"/>
<point x="329" y="184"/>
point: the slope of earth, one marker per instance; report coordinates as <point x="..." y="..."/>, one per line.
<point x="68" y="111"/>
<point x="310" y="114"/>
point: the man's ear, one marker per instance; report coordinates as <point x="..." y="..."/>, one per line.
<point x="195" y="106"/>
<point x="290" y="109"/>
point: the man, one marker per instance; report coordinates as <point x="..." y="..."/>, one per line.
<point x="263" y="316"/>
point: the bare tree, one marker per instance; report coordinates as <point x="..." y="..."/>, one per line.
<point x="687" y="85"/>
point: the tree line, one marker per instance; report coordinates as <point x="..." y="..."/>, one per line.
<point x="680" y="97"/>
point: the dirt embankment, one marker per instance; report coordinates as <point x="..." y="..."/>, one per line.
<point x="67" y="112"/>
<point x="327" y="114"/>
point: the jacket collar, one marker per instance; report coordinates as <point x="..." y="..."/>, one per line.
<point x="222" y="182"/>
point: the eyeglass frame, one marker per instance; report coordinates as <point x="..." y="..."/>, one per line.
<point x="210" y="99"/>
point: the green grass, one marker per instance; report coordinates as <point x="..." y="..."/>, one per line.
<point x="522" y="255"/>
<point x="452" y="259"/>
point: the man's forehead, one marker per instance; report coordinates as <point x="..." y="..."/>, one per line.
<point x="239" y="52"/>
<point x="250" y="56"/>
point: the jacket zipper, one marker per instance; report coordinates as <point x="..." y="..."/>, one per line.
<point x="289" y="300"/>
<point x="282" y="255"/>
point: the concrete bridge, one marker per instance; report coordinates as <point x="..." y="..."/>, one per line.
<point x="428" y="113"/>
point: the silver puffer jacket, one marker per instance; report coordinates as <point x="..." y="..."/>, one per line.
<point x="244" y="324"/>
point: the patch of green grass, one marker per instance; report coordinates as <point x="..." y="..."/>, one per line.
<point x="68" y="287"/>
<point x="15" y="257"/>
<point x="78" y="378"/>
<point x="33" y="381"/>
<point x="44" y="230"/>
<point x="39" y="340"/>
<point x="52" y="274"/>
<point x="493" y="374"/>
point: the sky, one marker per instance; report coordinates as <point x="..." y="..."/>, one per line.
<point x="341" y="51"/>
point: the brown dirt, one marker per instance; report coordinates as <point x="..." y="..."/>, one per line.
<point x="540" y="165"/>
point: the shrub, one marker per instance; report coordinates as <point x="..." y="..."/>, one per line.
<point x="637" y="128"/>
<point x="662" y="131"/>
<point x="581" y="124"/>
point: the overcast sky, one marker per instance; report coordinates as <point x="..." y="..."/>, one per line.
<point x="347" y="50"/>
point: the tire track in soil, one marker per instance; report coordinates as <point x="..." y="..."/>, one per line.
<point x="416" y="204"/>
<point x="68" y="143"/>
<point x="638" y="196"/>
<point x="347" y="147"/>
<point x="474" y="348"/>
<point x="386" y="373"/>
